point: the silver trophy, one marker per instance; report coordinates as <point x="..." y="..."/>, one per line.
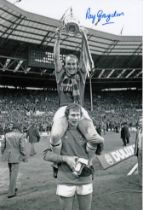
<point x="70" y="23"/>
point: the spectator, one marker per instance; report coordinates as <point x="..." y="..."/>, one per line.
<point x="24" y="100"/>
<point x="33" y="136"/>
<point x="13" y="150"/>
<point x="125" y="134"/>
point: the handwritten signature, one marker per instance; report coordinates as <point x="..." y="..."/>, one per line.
<point x="100" y="15"/>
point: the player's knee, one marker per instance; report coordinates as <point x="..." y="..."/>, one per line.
<point x="55" y="139"/>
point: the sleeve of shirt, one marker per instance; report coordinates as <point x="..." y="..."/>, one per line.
<point x="57" y="61"/>
<point x="49" y="155"/>
<point x="22" y="146"/>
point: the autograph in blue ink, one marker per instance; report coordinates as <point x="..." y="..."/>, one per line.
<point x="100" y="15"/>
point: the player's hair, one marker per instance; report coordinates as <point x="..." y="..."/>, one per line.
<point x="71" y="56"/>
<point x="73" y="106"/>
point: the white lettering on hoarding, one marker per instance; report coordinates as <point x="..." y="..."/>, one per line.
<point x="116" y="156"/>
<point x="122" y="154"/>
<point x="110" y="159"/>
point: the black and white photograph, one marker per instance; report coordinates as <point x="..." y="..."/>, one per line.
<point x="71" y="121"/>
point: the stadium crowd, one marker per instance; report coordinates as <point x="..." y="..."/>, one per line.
<point x="110" y="109"/>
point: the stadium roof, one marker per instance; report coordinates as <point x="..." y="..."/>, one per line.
<point x="114" y="56"/>
<point x="20" y="25"/>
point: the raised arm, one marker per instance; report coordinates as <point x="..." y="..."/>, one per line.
<point x="57" y="61"/>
